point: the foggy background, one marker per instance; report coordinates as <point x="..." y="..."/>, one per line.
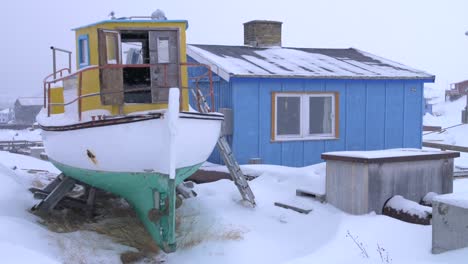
<point x="424" y="34"/>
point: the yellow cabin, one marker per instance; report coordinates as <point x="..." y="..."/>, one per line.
<point x="124" y="66"/>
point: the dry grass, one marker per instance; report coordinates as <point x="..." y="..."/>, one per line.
<point x="193" y="234"/>
<point x="115" y="218"/>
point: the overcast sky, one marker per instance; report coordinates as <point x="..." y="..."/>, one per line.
<point x="424" y="34"/>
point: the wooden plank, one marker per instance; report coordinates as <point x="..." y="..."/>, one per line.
<point x="111" y="80"/>
<point x="432" y="128"/>
<point x="294" y="208"/>
<point x="319" y="197"/>
<point x="444" y="146"/>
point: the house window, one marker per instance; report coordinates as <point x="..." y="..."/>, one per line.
<point x="303" y="116"/>
<point x="83" y="51"/>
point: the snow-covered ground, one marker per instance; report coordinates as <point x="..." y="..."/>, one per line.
<point x="25" y="134"/>
<point x="448" y="115"/>
<point x="216" y="228"/>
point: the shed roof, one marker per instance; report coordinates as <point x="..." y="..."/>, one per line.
<point x="245" y="61"/>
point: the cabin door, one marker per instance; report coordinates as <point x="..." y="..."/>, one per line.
<point x="111" y="79"/>
<point x="164" y="54"/>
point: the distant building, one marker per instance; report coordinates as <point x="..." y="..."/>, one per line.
<point x="457" y="90"/>
<point x="26" y="109"/>
<point x="6" y="115"/>
<point x="289" y="105"/>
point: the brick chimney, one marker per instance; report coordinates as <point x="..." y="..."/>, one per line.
<point x="262" y="33"/>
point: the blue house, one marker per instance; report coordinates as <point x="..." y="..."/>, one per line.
<point x="289" y="105"/>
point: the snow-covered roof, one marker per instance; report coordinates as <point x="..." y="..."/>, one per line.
<point x="244" y="61"/>
<point x="29" y="101"/>
<point x="5" y="111"/>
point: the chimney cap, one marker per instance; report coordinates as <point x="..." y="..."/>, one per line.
<point x="263" y="21"/>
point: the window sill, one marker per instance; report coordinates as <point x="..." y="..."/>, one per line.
<point x="276" y="140"/>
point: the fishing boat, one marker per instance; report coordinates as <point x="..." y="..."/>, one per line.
<point x="122" y="121"/>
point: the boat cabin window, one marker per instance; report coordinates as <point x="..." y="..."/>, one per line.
<point x="163" y="50"/>
<point x="137" y="82"/>
<point x="83" y="51"/>
<point x="151" y="65"/>
<point x="112" y="44"/>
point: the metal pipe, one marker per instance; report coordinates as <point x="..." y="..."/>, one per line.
<point x="54" y="58"/>
<point x="59" y="49"/>
<point x="45" y="91"/>
<point x="210" y="76"/>
<point x="48" y="100"/>
<point x="54" y="62"/>
<point x="69" y="62"/>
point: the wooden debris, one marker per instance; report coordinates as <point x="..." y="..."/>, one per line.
<point x="407" y="211"/>
<point x="319" y="197"/>
<point x="294" y="208"/>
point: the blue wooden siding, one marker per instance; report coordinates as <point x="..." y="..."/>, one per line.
<point x="372" y="115"/>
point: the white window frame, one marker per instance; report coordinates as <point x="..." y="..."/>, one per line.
<point x="304" y="117"/>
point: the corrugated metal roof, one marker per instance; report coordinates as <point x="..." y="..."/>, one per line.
<point x="244" y="61"/>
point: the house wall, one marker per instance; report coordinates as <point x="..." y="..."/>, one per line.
<point x="372" y="115"/>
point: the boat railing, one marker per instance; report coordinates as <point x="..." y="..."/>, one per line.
<point x="60" y="76"/>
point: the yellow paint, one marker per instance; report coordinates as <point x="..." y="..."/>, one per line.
<point x="90" y="83"/>
<point x="56" y="97"/>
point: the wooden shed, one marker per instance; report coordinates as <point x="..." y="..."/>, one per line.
<point x="289" y="105"/>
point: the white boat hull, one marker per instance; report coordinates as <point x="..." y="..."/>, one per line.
<point x="140" y="146"/>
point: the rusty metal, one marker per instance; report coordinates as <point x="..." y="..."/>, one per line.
<point x="48" y="100"/>
<point x="80" y="81"/>
<point x="47" y="82"/>
<point x="54" y="60"/>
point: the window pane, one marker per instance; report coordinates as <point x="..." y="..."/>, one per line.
<point x="163" y="50"/>
<point x="289" y="117"/>
<point x="112" y="48"/>
<point x="132" y="52"/>
<point x="320" y="115"/>
<point x="83" y="51"/>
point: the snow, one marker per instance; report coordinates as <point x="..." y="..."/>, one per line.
<point x="279" y="61"/>
<point x="388" y="153"/>
<point x="448" y="116"/>
<point x="172" y="120"/>
<point x="399" y="203"/>
<point x="216" y="228"/>
<point x="458" y="199"/>
<point x="25" y="134"/>
<point x="23" y="239"/>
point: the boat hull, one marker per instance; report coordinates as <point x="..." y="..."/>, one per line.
<point x="130" y="158"/>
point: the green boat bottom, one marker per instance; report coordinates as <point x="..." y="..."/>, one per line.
<point x="152" y="195"/>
